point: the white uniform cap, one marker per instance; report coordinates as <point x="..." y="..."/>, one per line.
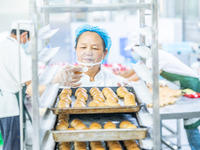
<point x="23" y="25"/>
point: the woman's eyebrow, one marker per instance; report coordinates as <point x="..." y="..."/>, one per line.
<point x="82" y="43"/>
<point x="95" y="44"/>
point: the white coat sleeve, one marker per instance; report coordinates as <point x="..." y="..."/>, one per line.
<point x="25" y="70"/>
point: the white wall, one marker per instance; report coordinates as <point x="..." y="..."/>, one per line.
<point x="170" y="30"/>
<point x="11" y="10"/>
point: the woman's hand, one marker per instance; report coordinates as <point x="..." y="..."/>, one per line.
<point x="69" y="76"/>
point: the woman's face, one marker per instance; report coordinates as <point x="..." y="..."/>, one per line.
<point x="90" y="48"/>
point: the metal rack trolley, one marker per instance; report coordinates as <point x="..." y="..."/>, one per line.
<point x="41" y="138"/>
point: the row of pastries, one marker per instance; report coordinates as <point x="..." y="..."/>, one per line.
<point x="106" y="97"/>
<point x="77" y="124"/>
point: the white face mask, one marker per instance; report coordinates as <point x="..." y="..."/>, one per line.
<point x="88" y="64"/>
<point x="26" y="45"/>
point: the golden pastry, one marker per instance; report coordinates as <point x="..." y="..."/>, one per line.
<point x="78" y="104"/>
<point x="121" y="91"/>
<point x="82" y="95"/>
<point x="109" y="125"/>
<point x="111" y="99"/>
<point x="64" y="146"/>
<point x="102" y="104"/>
<point x="129" y="103"/>
<point x="63" y="104"/>
<point x="66" y="98"/>
<point x="80" y="126"/>
<point x="75" y="122"/>
<point x="98" y="100"/>
<point x="124" y="124"/>
<point x="105" y="90"/>
<point x="102" y="99"/>
<point x="96" y="145"/>
<point x="131" y="126"/>
<point x="70" y="129"/>
<point x="114" y="145"/>
<point x="80" y="90"/>
<point x="129" y="96"/>
<point x="94" y="89"/>
<point x="80" y="146"/>
<point x="96" y="93"/>
<point x="108" y="93"/>
<point x="67" y="91"/>
<point x="61" y="126"/>
<point x="63" y="95"/>
<point x="131" y="145"/>
<point x="112" y="104"/>
<point x="93" y="103"/>
<point x="80" y="100"/>
<point x="129" y="99"/>
<point x="62" y="121"/>
<point x="95" y="125"/>
<point x="127" y="125"/>
<point x="99" y="94"/>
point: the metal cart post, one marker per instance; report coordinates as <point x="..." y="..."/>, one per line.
<point x="20" y="92"/>
<point x="35" y="84"/>
<point x="156" y="107"/>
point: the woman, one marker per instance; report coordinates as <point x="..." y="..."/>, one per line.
<point x="92" y="45"/>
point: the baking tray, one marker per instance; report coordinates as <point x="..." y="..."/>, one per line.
<point x="101" y="134"/>
<point x="93" y="110"/>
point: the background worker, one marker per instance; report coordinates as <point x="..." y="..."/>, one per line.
<point x="174" y="70"/>
<point x="10" y="83"/>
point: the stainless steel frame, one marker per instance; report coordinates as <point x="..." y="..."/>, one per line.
<point x="35" y="84"/>
<point x="142" y="24"/>
<point x="88" y="8"/>
<point x="156" y="107"/>
<point x="183" y="19"/>
<point x="20" y="92"/>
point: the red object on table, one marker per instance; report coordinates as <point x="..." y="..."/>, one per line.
<point x="193" y="95"/>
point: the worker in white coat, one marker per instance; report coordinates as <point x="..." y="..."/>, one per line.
<point x="10" y="83"/>
<point x="172" y="69"/>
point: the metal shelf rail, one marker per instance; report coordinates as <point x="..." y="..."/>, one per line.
<point x="90" y="7"/>
<point x="46" y="9"/>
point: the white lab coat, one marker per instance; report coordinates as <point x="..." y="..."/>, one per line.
<point x="102" y="79"/>
<point x="169" y="63"/>
<point x="9" y="76"/>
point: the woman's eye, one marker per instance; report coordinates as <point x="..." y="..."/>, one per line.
<point x="83" y="47"/>
<point x="95" y="48"/>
